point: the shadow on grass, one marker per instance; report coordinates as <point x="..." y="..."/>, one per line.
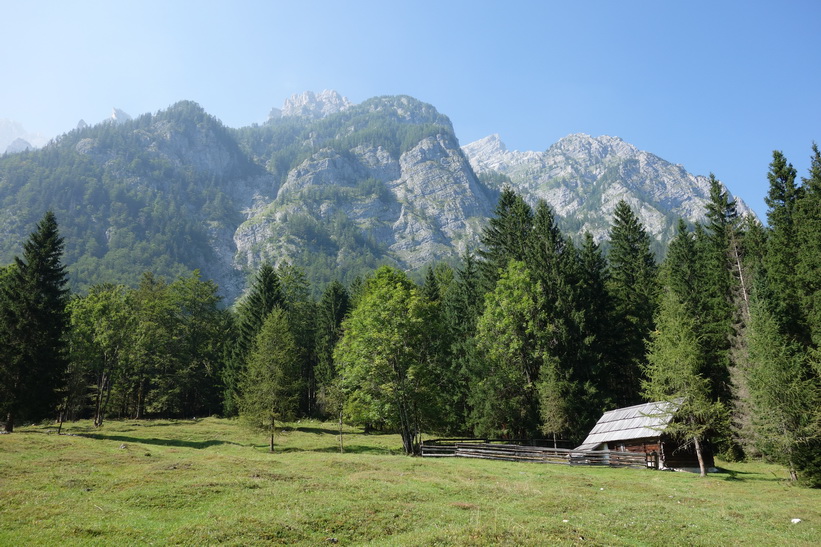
<point x="158" y="442"/>
<point x="315" y="430"/>
<point x="349" y="449"/>
<point x="731" y="475"/>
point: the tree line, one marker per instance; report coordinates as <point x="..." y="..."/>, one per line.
<point x="533" y="335"/>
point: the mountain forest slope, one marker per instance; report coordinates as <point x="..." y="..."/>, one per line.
<point x="332" y="187"/>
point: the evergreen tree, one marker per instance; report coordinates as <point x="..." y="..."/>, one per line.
<point x="332" y="309"/>
<point x="301" y="311"/>
<point x="808" y="243"/>
<point x="265" y="294"/>
<point x="634" y="288"/>
<point x="782" y="255"/>
<point x="695" y="272"/>
<point x="675" y="373"/>
<point x="598" y="345"/>
<point x="505" y="237"/>
<point x="462" y="307"/>
<point x="786" y="397"/>
<point x="33" y="323"/>
<point x="270" y="385"/>
<point x="563" y="343"/>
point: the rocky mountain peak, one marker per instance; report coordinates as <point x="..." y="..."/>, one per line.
<point x="118" y="116"/>
<point x="11" y="130"/>
<point x="18" y="145"/>
<point x="583" y="146"/>
<point x="313" y="106"/>
<point x="491" y="154"/>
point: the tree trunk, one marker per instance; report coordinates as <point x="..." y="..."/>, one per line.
<point x="341" y="446"/>
<point x="98" y="407"/>
<point x="272" y="437"/>
<point x="10" y="422"/>
<point x="700" y="455"/>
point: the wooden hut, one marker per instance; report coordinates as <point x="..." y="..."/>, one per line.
<point x="640" y="428"/>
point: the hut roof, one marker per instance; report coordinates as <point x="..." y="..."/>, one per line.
<point x="632" y="422"/>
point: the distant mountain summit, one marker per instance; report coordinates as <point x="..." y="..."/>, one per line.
<point x="584" y="177"/>
<point x="13" y="132"/>
<point x="118" y="116"/>
<point x="18" y="145"/>
<point x="311" y="106"/>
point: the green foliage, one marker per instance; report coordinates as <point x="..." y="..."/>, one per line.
<point x="265" y="295"/>
<point x="383" y="357"/>
<point x="101" y="328"/>
<point x="151" y="351"/>
<point x="332" y="309"/>
<point x="505" y="237"/>
<point x="634" y="289"/>
<point x="129" y="195"/>
<point x="504" y="395"/>
<point x="786" y="396"/>
<point x="675" y="373"/>
<point x="270" y="385"/>
<point x="33" y="323"/>
<point x="808" y="243"/>
<point x="302" y="317"/>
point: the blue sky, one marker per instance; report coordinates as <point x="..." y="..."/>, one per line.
<point x="714" y="86"/>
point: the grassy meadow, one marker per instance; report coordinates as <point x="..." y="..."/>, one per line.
<point x="211" y="481"/>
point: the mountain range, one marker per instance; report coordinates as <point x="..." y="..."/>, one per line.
<point x="333" y="187"/>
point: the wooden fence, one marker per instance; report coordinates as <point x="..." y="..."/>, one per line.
<point x="489" y="450"/>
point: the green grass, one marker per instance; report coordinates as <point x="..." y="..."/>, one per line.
<point x="212" y="482"/>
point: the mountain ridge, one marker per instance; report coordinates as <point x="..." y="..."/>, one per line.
<point x="333" y="187"/>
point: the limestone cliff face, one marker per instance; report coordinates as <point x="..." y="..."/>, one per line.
<point x="423" y="206"/>
<point x="584" y="177"/>
<point x="314" y="106"/>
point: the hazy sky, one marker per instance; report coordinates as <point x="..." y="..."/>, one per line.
<point x="715" y="86"/>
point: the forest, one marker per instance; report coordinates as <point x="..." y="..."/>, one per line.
<point x="531" y="335"/>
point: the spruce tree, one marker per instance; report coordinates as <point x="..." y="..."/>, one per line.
<point x="786" y="397"/>
<point x="634" y="289"/>
<point x="333" y="307"/>
<point x="595" y="327"/>
<point x="505" y="237"/>
<point x="270" y="385"/>
<point x="265" y="295"/>
<point x="564" y="341"/>
<point x="782" y="254"/>
<point x="301" y="311"/>
<point x="808" y="243"/>
<point x="461" y="308"/>
<point x="33" y="322"/>
<point x="676" y="373"/>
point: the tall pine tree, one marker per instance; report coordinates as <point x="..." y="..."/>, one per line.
<point x="33" y="321"/>
<point x="634" y="289"/>
<point x="265" y="295"/>
<point x="505" y="237"/>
